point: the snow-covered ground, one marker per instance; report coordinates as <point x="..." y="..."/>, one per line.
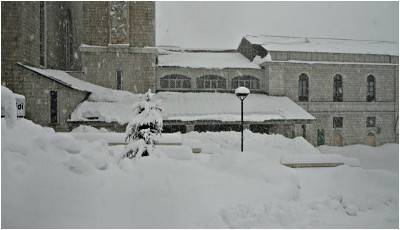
<point x="52" y="180"/>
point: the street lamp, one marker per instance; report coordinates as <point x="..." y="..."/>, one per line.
<point x="242" y="93"/>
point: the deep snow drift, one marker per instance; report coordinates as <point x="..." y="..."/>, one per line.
<point x="52" y="180"/>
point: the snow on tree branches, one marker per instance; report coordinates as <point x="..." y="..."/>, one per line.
<point x="146" y="123"/>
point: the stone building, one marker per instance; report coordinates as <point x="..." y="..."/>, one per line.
<point x="106" y="43"/>
<point x="350" y="86"/>
<point x="48" y="48"/>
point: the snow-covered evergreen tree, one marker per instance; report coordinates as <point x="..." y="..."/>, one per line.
<point x="146" y="123"/>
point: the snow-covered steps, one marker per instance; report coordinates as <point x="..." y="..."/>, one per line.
<point x="317" y="160"/>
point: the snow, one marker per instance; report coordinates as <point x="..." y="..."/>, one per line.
<point x="259" y="60"/>
<point x="334" y="63"/>
<point x="242" y="90"/>
<point x="318" y="158"/>
<point x="190" y="106"/>
<point x="98" y="93"/>
<point x="8" y="106"/>
<point x="52" y="180"/>
<point x="209" y="60"/>
<point x="384" y="157"/>
<point x="330" y="45"/>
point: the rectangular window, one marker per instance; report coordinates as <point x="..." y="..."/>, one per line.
<point x="42" y="32"/>
<point x="119" y="80"/>
<point x="53" y="107"/>
<point x="338" y="122"/>
<point x="371" y="121"/>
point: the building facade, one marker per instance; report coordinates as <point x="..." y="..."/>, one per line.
<point x="354" y="96"/>
<point x="349" y="86"/>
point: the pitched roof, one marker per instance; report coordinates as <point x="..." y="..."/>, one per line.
<point x="204" y="59"/>
<point x="191" y="107"/>
<point x="329" y="45"/>
<point x="98" y="93"/>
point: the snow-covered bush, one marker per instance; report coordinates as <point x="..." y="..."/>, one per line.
<point x="146" y="123"/>
<point x="8" y="106"/>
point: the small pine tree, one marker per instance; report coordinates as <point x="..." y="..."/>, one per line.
<point x="140" y="132"/>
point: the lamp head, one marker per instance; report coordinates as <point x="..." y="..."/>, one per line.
<point x="242" y="92"/>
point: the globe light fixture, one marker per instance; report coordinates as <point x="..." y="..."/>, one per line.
<point x="242" y="93"/>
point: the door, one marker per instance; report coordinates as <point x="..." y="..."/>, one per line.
<point x="338" y="140"/>
<point x="371" y="140"/>
<point x="320" y="137"/>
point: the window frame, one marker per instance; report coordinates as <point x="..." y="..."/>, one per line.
<point x="175" y="81"/>
<point x="54" y="119"/>
<point x="207" y="81"/>
<point x="338" y="88"/>
<point x="368" y="124"/>
<point x="248" y="81"/>
<point x="371" y="88"/>
<point x="303" y="87"/>
<point x="119" y="80"/>
<point x="337" y="122"/>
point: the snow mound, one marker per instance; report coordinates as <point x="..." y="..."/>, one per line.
<point x="50" y="180"/>
<point x="177" y="152"/>
<point x="8" y="106"/>
<point x="89" y="129"/>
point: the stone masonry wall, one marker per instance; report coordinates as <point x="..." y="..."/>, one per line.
<point x="332" y="57"/>
<point x="354" y="129"/>
<point x="283" y="79"/>
<point x="142" y="24"/>
<point x="100" y="65"/>
<point x="55" y="35"/>
<point x="10" y="21"/>
<point x="21" y="35"/>
<point x="36" y="90"/>
<point x="96" y="23"/>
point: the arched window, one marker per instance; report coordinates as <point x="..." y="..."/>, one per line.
<point x="371" y="88"/>
<point x="249" y="82"/>
<point x="303" y="87"/>
<point x="211" y="82"/>
<point x="337" y="88"/>
<point x="68" y="40"/>
<point x="175" y="81"/>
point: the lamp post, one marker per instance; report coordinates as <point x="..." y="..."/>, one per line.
<point x="242" y="93"/>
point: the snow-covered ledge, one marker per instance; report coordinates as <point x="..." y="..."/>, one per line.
<point x="116" y="48"/>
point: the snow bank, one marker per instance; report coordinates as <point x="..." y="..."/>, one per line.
<point x="380" y="157"/>
<point x="88" y="129"/>
<point x="189" y="106"/>
<point x="209" y="60"/>
<point x="52" y="180"/>
<point x="8" y="106"/>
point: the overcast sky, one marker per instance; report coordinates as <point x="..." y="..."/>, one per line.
<point x="223" y="24"/>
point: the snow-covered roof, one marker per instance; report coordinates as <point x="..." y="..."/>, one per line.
<point x="209" y="60"/>
<point x="98" y="93"/>
<point x="198" y="106"/>
<point x="329" y="45"/>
